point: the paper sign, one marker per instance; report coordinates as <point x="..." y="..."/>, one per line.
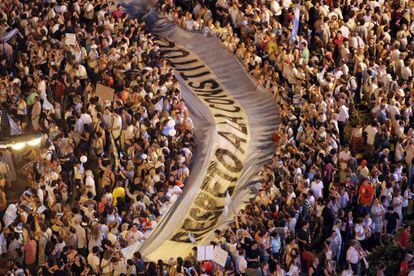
<point x="10" y="215"/>
<point x="205" y="253"/>
<point x="41" y="209"/>
<point x="220" y="256"/>
<point x="104" y="92"/>
<point x="70" y="39"/>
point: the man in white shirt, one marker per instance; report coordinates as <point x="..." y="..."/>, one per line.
<point x="356" y="41"/>
<point x="343" y="116"/>
<point x="406" y="73"/>
<point x="352" y="256"/>
<point x="370" y="132"/>
<point x="173" y="192"/>
<point x="241" y="262"/>
<point x="116" y="126"/>
<point x="90" y="183"/>
<point x="345" y="31"/>
<point x="134" y="235"/>
<point x="275" y="8"/>
<point x="93" y="259"/>
<point x="317" y="187"/>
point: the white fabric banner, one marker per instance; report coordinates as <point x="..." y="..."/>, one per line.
<point x="234" y="121"/>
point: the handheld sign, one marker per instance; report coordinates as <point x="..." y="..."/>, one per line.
<point x="70" y="39"/>
<point x="104" y="92"/>
<point x="220" y="256"/>
<point x="205" y="253"/>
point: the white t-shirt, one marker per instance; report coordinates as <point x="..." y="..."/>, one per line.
<point x="90" y="182"/>
<point x="359" y="232"/>
<point x="93" y="261"/>
<point x="242" y="264"/>
<point x="117" y="123"/>
<point x="316" y="188"/>
<point x="371" y="132"/>
<point x="135" y="236"/>
<point x="343" y="113"/>
<point x="352" y="255"/>
<point x="345" y="31"/>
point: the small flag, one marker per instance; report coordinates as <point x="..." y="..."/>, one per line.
<point x="192" y="239"/>
<point x="226" y="206"/>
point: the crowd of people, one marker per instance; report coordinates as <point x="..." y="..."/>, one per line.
<point x="108" y="166"/>
<point x="341" y="181"/>
<point x="339" y="184"/>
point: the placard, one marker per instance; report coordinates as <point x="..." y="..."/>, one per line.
<point x="104" y="92"/>
<point x="220" y="256"/>
<point x="205" y="253"/>
<point x="70" y="39"/>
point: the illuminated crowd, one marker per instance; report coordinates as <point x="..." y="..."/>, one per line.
<point x="338" y="186"/>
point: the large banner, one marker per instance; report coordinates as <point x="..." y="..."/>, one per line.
<point x="229" y="151"/>
<point x="234" y="121"/>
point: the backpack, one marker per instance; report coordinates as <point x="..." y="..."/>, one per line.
<point x="49" y="245"/>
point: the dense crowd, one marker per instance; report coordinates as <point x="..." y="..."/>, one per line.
<point x="108" y="167"/>
<point x="339" y="184"/>
<point x="342" y="175"/>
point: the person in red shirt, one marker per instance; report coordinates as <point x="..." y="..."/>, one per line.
<point x="404" y="238"/>
<point x="307" y="259"/>
<point x="405" y="265"/>
<point x="118" y="13"/>
<point x="30" y="250"/>
<point x="207" y="267"/>
<point x="365" y="197"/>
<point x="338" y="39"/>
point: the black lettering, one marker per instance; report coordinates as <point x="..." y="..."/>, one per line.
<point x="184" y="62"/>
<point x="202" y="85"/>
<point x="165" y="43"/>
<point x="184" y="53"/>
<point x="205" y="201"/>
<point x="236" y="167"/>
<point x="212" y="169"/>
<point x="210" y="93"/>
<point x="205" y="184"/>
<point x="235" y="110"/>
<point x="230" y="189"/>
<point x="182" y="236"/>
<point x="219" y="101"/>
<point x="233" y="139"/>
<point x="240" y="127"/>
<point x="186" y="77"/>
<point x="199" y="214"/>
<point x="235" y="120"/>
<point x="194" y="226"/>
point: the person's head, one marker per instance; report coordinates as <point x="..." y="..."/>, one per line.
<point x="137" y="255"/>
<point x="78" y="258"/>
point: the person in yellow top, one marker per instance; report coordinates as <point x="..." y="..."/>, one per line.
<point x="273" y="49"/>
<point x="118" y="192"/>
